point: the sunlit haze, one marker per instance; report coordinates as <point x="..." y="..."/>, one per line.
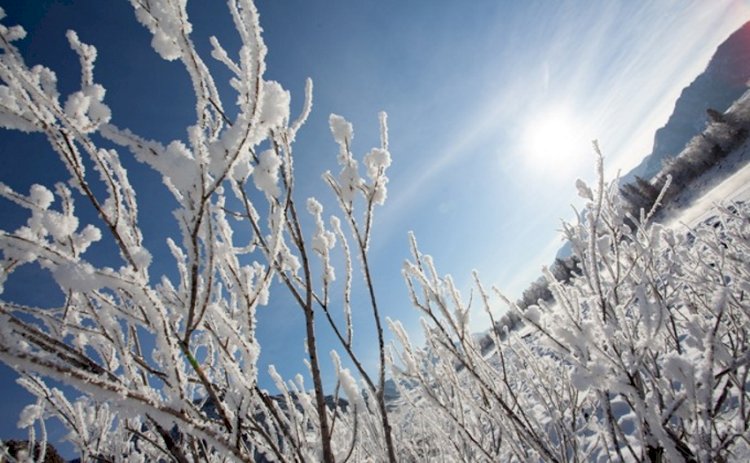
<point x="554" y="143"/>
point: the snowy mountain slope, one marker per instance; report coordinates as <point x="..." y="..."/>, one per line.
<point x="724" y="81"/>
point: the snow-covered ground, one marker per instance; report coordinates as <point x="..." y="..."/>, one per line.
<point x="693" y="210"/>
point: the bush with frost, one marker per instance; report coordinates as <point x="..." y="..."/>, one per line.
<point x="641" y="356"/>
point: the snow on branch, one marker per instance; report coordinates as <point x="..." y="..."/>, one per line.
<point x="640" y="354"/>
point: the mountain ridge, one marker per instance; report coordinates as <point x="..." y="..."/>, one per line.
<point x="723" y="81"/>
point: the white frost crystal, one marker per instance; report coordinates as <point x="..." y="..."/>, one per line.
<point x="266" y="173"/>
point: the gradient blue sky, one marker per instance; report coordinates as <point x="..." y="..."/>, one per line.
<point x="492" y="106"/>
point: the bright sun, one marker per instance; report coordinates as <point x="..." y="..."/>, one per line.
<point x="553" y="141"/>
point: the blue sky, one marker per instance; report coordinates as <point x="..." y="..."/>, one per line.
<point x="492" y="106"/>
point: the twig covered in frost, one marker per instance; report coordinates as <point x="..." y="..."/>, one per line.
<point x="201" y="373"/>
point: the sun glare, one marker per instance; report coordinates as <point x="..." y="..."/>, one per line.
<point x="553" y="141"/>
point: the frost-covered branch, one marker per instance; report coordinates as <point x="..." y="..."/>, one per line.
<point x="180" y="351"/>
<point x="642" y="355"/>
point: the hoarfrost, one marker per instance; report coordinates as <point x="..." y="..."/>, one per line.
<point x="29" y="415"/>
<point x="341" y="129"/>
<point x="275" y="105"/>
<point x="80" y="276"/>
<point x="266" y="173"/>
